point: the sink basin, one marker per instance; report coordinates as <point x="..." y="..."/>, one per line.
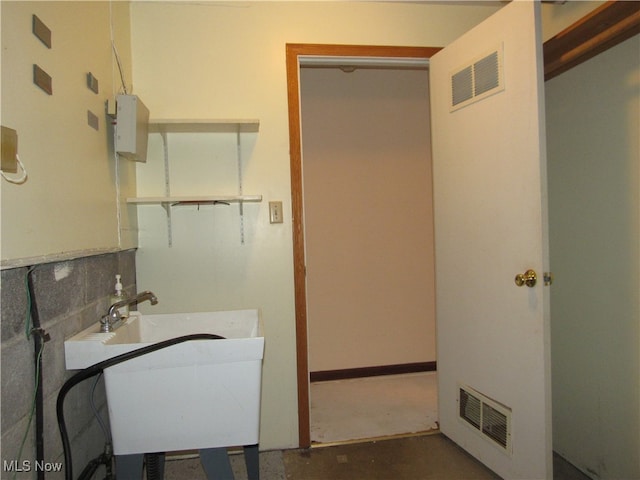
<point x="91" y="346"/>
<point x="193" y="395"/>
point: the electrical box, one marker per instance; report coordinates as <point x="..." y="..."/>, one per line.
<point x="132" y="128"/>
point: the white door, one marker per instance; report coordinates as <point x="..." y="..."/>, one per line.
<point x="490" y="224"/>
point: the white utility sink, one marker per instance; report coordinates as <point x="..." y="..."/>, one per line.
<point x="193" y="395"/>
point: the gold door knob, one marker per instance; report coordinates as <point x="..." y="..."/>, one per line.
<point x="527" y="278"/>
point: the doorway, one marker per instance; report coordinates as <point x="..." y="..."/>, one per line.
<point x="403" y="57"/>
<point x="292" y="64"/>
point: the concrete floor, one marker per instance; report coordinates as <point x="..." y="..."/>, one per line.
<point x="189" y="468"/>
<point x="372" y="407"/>
<point x="408" y="458"/>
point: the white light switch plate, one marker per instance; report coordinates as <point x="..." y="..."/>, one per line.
<point x="275" y="212"/>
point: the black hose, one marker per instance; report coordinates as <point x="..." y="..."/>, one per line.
<point x="91" y="467"/>
<point x="38" y="342"/>
<point x="105" y="458"/>
<point x="98" y="368"/>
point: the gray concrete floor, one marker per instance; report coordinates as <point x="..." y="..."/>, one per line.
<point x="189" y="467"/>
<point x="409" y="458"/>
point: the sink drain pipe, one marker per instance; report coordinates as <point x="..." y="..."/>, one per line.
<point x="99" y="368"/>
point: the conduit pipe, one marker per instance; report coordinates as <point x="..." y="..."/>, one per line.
<point x="39" y="338"/>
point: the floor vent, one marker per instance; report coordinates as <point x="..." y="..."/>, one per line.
<point x="478" y="80"/>
<point x="490" y="418"/>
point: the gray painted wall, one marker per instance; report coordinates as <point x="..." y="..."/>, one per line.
<point x="593" y="120"/>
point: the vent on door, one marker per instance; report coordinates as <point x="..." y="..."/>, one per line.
<point x="477" y="80"/>
<point x="491" y="419"/>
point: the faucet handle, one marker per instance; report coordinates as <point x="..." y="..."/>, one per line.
<point x="105" y="323"/>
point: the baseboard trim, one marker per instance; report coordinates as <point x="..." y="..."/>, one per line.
<point x="325" y="375"/>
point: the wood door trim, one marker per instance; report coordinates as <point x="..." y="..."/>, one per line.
<point x="293" y="51"/>
<point x="601" y="29"/>
<point x="375" y="371"/>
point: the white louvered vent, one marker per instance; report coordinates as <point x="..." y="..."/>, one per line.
<point x="490" y="418"/>
<point x="479" y="79"/>
<point x="462" y="86"/>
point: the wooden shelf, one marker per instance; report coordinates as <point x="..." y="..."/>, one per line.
<point x="178" y="126"/>
<point x="203" y="126"/>
<point x="195" y="199"/>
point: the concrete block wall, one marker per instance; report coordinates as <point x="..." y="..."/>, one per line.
<point x="70" y="296"/>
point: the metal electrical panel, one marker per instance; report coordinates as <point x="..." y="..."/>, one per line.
<point x="132" y="128"/>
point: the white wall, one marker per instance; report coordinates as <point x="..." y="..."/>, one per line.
<point x="593" y="121"/>
<point x="368" y="217"/>
<point x="68" y="203"/>
<point x="227" y="60"/>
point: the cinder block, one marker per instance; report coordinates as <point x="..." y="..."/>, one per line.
<point x="14" y="303"/>
<point x="70" y="296"/>
<point x="17" y="381"/>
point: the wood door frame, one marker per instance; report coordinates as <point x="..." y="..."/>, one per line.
<point x="601" y="29"/>
<point x="293" y="52"/>
<point x="605" y="27"/>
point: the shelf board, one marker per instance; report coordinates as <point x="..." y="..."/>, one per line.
<point x="195" y="199"/>
<point x="203" y="126"/>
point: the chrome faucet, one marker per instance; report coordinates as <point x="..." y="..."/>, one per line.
<point x="111" y="320"/>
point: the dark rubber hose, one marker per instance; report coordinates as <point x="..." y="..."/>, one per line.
<point x="98" y="368"/>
